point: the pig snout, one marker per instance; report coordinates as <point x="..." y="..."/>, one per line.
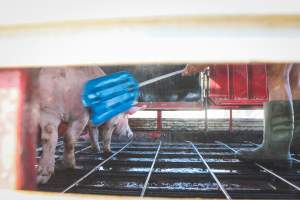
<point x="129" y="134"/>
<point x="122" y="128"/>
<point x="124" y="134"/>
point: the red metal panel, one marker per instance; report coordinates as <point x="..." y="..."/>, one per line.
<point x="219" y="81"/>
<point x="27" y="138"/>
<point x="242" y="85"/>
<point x="158" y="120"/>
<point x="239" y="82"/>
<point x="16" y="80"/>
<point x="257" y="81"/>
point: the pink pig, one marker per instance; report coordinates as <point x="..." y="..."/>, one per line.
<point x="60" y="102"/>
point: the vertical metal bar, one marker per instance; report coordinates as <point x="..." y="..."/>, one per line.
<point x="230" y="120"/>
<point x="205" y="122"/>
<point x="265" y="169"/>
<point x="158" y="120"/>
<point x="211" y="173"/>
<point x="95" y="168"/>
<point x="150" y="171"/>
<point x="206" y="89"/>
<point x="247" y="82"/>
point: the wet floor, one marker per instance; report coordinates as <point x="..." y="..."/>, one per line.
<point x="178" y="171"/>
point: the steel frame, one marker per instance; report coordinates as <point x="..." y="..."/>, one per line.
<point x="126" y="174"/>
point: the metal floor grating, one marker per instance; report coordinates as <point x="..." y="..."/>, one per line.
<point x="174" y="170"/>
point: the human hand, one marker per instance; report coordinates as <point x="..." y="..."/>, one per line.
<point x="191" y="69"/>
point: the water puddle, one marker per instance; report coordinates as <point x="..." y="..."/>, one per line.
<point x="184" y="186"/>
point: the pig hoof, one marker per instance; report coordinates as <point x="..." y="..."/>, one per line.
<point x="106" y="154"/>
<point x="68" y="165"/>
<point x="96" y="149"/>
<point x="44" y="174"/>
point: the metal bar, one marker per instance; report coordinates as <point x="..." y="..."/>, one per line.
<point x="294" y="159"/>
<point x="230" y="120"/>
<point x="158" y="120"/>
<point x="205" y="115"/>
<point x="95" y="168"/>
<point x="204" y="90"/>
<point x="232" y="149"/>
<point x="279" y="177"/>
<point x="211" y="173"/>
<point x="150" y="172"/>
<point x="81" y="150"/>
<point x="267" y="170"/>
<point x="160" y="78"/>
<point x="215" y="104"/>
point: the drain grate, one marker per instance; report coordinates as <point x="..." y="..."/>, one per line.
<point x="174" y="170"/>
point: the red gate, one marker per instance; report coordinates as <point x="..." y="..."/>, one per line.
<point x="238" y="85"/>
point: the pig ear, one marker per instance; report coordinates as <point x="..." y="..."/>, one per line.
<point x="134" y="109"/>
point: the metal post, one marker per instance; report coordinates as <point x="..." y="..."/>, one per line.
<point x="205" y="84"/>
<point x="230" y="120"/>
<point x="158" y="120"/>
<point x="205" y="122"/>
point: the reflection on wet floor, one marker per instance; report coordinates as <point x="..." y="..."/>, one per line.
<point x="178" y="171"/>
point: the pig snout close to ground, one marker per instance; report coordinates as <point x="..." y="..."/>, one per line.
<point x="118" y="126"/>
<point x="60" y="102"/>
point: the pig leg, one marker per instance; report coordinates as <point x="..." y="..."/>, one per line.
<point x="106" y="137"/>
<point x="94" y="136"/>
<point x="49" y="127"/>
<point x="73" y="132"/>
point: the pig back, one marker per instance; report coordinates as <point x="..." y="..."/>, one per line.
<point x="60" y="90"/>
